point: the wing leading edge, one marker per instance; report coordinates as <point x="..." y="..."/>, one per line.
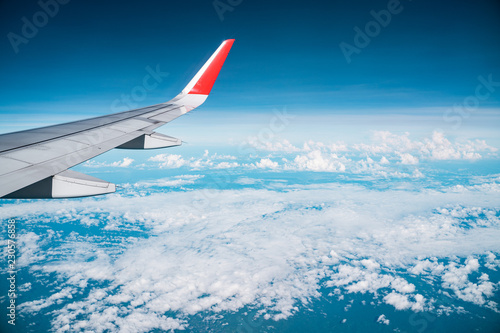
<point x="34" y="163"/>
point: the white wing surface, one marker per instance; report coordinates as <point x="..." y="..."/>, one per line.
<point x="34" y="163"/>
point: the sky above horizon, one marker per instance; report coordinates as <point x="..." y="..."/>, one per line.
<point x="425" y="57"/>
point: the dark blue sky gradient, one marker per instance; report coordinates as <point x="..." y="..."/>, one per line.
<point x="286" y="53"/>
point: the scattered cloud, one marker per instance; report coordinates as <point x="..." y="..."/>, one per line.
<point x="456" y="278"/>
<point x="168" y="161"/>
<point x="399" y="301"/>
<point x="408" y="159"/>
<point x="383" y="320"/>
<point x="266" y="163"/>
<point x="268" y="249"/>
<point x="176" y="181"/>
<point x="207" y="250"/>
<point x="317" y="160"/>
<point x="226" y="165"/>
<point x="437" y="147"/>
<point x="247" y="181"/>
<point x="124" y="163"/>
<point x="385" y="155"/>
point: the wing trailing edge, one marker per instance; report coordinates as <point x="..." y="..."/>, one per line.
<point x="67" y="184"/>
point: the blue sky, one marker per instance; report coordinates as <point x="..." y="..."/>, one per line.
<point x="286" y="53"/>
<point x="419" y="73"/>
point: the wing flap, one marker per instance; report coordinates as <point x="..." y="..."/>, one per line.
<point x="67" y="184"/>
<point x="21" y="178"/>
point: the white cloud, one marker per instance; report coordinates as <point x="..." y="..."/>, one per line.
<point x="370" y="159"/>
<point x="316" y="161"/>
<point x="438" y="147"/>
<point x="217" y="156"/>
<point x="402" y="286"/>
<point x="247" y="181"/>
<point x="408" y="159"/>
<point x="383" y="320"/>
<point x="174" y="161"/>
<point x="384" y="160"/>
<point x="125" y="162"/>
<point x="492" y="262"/>
<point x="456" y="278"/>
<point x="24" y="287"/>
<point x="176" y="181"/>
<point x="257" y="247"/>
<point x="266" y="163"/>
<point x="399" y="301"/>
<point x="29" y="249"/>
<point x="226" y="165"/>
<point x="169" y="160"/>
<point x="35" y="306"/>
<point x="370" y="264"/>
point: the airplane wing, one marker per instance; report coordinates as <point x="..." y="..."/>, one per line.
<point x="35" y="163"/>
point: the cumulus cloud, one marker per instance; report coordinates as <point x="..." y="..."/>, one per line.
<point x="456" y="278"/>
<point x="383" y="147"/>
<point x="399" y="301"/>
<point x="217" y="156"/>
<point x="38" y="305"/>
<point x="174" y="161"/>
<point x="383" y="320"/>
<point x="247" y="181"/>
<point x="382" y="156"/>
<point x="266" y="163"/>
<point x="29" y="245"/>
<point x="169" y="160"/>
<point x="226" y="165"/>
<point x="124" y="163"/>
<point x="408" y="159"/>
<point x="176" y="181"/>
<point x="316" y="160"/>
<point x="438" y="147"/>
<point x="270" y="249"/>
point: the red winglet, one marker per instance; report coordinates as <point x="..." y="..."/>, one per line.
<point x="209" y="74"/>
